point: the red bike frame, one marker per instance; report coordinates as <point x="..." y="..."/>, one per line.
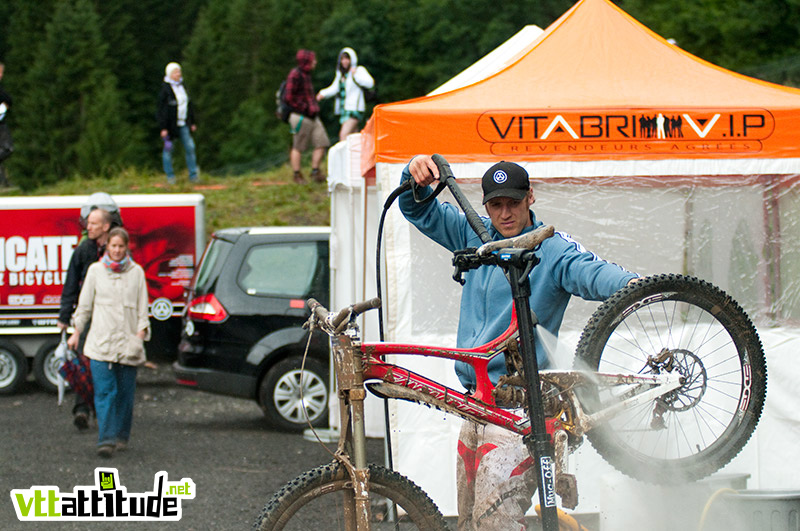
<point x="479" y="406"/>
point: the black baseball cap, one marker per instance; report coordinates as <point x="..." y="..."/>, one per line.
<point x="505" y="179"/>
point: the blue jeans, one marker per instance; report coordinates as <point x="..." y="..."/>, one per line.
<point x="188" y="148"/>
<point x="114" y="389"/>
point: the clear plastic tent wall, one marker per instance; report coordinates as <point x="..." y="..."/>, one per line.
<point x="738" y="232"/>
<point x="713" y="195"/>
<point x="741" y="233"/>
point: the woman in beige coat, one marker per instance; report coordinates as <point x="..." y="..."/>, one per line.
<point x="114" y="298"/>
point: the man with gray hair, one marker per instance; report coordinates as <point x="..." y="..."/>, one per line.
<point x="88" y="251"/>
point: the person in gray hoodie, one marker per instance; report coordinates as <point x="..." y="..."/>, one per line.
<point x="348" y="87"/>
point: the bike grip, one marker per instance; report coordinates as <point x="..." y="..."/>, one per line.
<point x="355" y="309"/>
<point x="361" y="307"/>
<point x="445" y="172"/>
<point x="317" y="309"/>
<point x="529" y="240"/>
<point x="446" y="176"/>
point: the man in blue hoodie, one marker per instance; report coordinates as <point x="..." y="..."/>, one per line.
<point x="495" y="472"/>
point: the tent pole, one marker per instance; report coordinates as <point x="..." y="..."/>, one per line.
<point x="772" y="231"/>
<point x="364" y="196"/>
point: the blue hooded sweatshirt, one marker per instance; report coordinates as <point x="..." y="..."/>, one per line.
<point x="565" y="269"/>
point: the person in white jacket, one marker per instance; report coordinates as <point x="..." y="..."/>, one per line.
<point x="348" y="87"/>
<point x="114" y="297"/>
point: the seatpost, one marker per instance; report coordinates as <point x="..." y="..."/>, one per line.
<point x="517" y="263"/>
<point x="537" y="441"/>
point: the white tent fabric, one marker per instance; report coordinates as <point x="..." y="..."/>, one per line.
<point x="352" y="253"/>
<point x="423" y="304"/>
<point x="499" y="58"/>
<point x="719" y="231"/>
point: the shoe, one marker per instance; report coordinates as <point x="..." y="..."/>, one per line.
<point x="121" y="446"/>
<point x="317" y="175"/>
<point x="298" y="177"/>
<point x="105" y="451"/>
<point x="81" y="421"/>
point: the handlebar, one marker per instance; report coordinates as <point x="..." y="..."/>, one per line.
<point x="471" y="258"/>
<point x="323" y="315"/>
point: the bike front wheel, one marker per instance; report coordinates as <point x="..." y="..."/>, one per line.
<point x="316" y="499"/>
<point x="682" y="325"/>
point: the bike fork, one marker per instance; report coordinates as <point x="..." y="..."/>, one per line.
<point x="538" y="442"/>
<point x="357" y="515"/>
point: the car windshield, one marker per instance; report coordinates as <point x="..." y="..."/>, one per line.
<point x="296" y="263"/>
<point x="211" y="263"/>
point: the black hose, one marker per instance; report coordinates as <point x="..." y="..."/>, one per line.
<point x="388" y="203"/>
<point x="446" y="176"/>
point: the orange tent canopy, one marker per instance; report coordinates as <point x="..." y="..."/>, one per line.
<point x="596" y="85"/>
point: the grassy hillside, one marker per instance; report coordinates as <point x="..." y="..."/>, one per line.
<point x="268" y="198"/>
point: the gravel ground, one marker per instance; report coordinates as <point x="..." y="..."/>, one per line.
<point x="223" y="444"/>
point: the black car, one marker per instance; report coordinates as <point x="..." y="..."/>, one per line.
<point x="245" y="308"/>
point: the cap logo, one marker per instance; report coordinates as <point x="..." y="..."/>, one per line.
<point x="500" y="177"/>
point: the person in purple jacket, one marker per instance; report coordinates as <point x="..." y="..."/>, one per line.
<point x="495" y="475"/>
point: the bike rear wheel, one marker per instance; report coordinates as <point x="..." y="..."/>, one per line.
<point x="314" y="500"/>
<point x="698" y="428"/>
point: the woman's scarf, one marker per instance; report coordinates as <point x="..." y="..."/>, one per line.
<point x="117" y="267"/>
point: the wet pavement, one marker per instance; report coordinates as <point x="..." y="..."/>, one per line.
<point x="221" y="444"/>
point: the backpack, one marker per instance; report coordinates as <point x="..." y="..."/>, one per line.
<point x="282" y="109"/>
<point x="370" y="94"/>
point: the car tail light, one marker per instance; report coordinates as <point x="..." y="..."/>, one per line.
<point x="206" y="308"/>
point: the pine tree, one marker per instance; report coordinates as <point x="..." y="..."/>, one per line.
<point x="25" y="33"/>
<point x="213" y="84"/>
<point x="142" y="37"/>
<point x="72" y="112"/>
<point x="238" y="55"/>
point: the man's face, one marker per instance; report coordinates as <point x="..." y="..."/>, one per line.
<point x="509" y="216"/>
<point x="95" y="227"/>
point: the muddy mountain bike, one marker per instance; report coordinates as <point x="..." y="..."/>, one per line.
<point x="668" y="386"/>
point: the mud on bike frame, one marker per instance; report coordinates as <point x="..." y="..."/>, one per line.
<point x="704" y="364"/>
<point x="516" y="257"/>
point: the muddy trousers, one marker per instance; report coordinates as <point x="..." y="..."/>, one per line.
<point x="495" y="477"/>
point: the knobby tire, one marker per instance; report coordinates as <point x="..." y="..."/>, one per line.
<point x="313" y="500"/>
<point x="695" y="430"/>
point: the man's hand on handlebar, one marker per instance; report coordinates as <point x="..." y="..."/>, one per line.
<point x="423" y="170"/>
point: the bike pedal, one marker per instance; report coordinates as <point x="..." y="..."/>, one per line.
<point x="567" y="489"/>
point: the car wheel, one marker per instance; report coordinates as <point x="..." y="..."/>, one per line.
<point x="285" y="393"/>
<point x="13" y="368"/>
<point x="46" y="365"/>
